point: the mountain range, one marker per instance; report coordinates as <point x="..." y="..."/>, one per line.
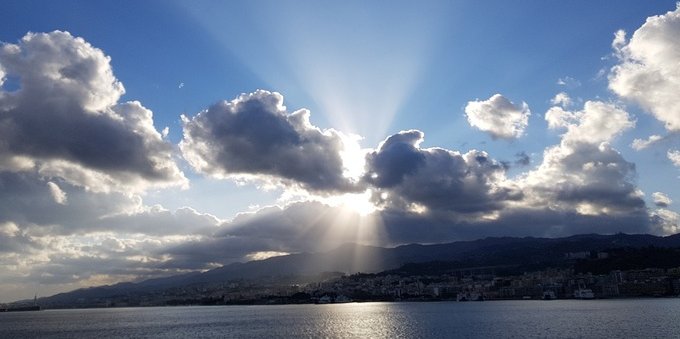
<point x="524" y="253"/>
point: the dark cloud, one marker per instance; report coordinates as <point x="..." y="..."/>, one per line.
<point x="253" y="135"/>
<point x="436" y="178"/>
<point x="523" y="159"/>
<point x="65" y="117"/>
<point x="27" y="200"/>
<point x="395" y="158"/>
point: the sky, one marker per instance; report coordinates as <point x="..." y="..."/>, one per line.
<point x="141" y="139"/>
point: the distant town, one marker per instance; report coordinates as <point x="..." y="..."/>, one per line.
<point x="584" y="275"/>
<point x="465" y="285"/>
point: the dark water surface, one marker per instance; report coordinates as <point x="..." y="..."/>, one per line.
<point x="640" y="318"/>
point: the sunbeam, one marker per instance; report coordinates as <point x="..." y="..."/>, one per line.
<point x="359" y="76"/>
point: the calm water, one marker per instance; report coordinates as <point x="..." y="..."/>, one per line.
<point x="649" y="318"/>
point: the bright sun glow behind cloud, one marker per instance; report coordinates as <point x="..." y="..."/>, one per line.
<point x="358" y="203"/>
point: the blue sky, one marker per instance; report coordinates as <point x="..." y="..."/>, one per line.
<point x="370" y="69"/>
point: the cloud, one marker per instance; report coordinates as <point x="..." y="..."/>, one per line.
<point x="523" y="159"/>
<point x="568" y="82"/>
<point x="640" y="144"/>
<point x="498" y="116"/>
<point x="597" y="122"/>
<point x="666" y="221"/>
<point x="584" y="174"/>
<point x="561" y="99"/>
<point x="253" y="136"/>
<point x="648" y="72"/>
<point x="58" y="195"/>
<point x="409" y="177"/>
<point x="65" y="119"/>
<point x="40" y="207"/>
<point x="674" y="157"/>
<point x="74" y="162"/>
<point x="661" y="199"/>
<point x="438" y="195"/>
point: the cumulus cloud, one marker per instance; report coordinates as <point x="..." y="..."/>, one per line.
<point x="409" y="177"/>
<point x="648" y="71"/>
<point x="661" y="199"/>
<point x="65" y="117"/>
<point x="640" y="144"/>
<point x="674" y="157"/>
<point x="597" y="122"/>
<point x="584" y="173"/>
<point x="498" y="116"/>
<point x="561" y="99"/>
<point x="666" y="221"/>
<point x="253" y="136"/>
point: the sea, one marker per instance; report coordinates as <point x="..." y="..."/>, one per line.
<point x="630" y="318"/>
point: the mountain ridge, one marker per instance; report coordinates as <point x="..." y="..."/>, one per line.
<point x="353" y="258"/>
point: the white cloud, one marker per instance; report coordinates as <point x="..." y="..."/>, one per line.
<point x="649" y="68"/>
<point x="667" y="221"/>
<point x="661" y="199"/>
<point x="58" y="195"/>
<point x="561" y="99"/>
<point x="597" y="122"/>
<point x="584" y="174"/>
<point x="640" y="144"/>
<point x="498" y="116"/>
<point x="619" y="42"/>
<point x="674" y="157"/>
<point x="568" y="82"/>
